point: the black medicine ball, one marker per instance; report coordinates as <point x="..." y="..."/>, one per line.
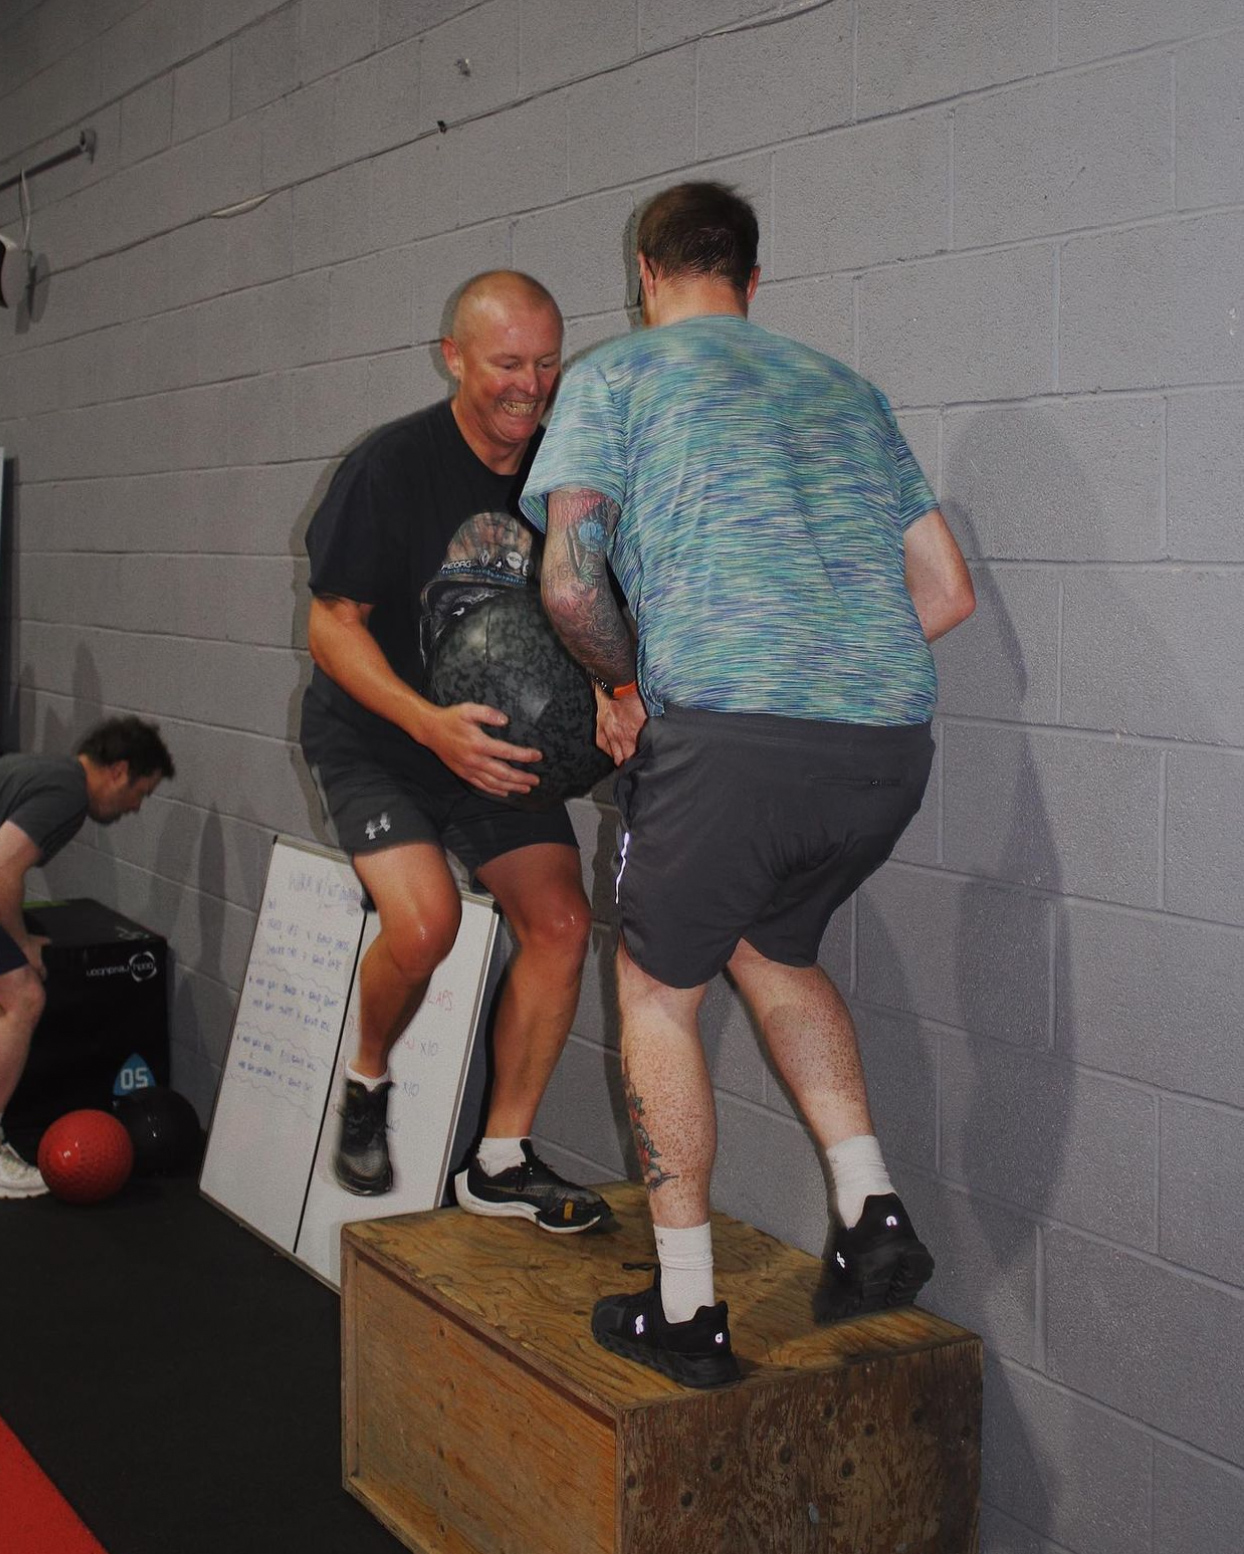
<point x="164" y="1128"/>
<point x="504" y="653"/>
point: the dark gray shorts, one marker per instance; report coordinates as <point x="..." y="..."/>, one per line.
<point x="373" y="804"/>
<point x="739" y="826"/>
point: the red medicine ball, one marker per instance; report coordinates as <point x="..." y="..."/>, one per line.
<point x="86" y="1156"/>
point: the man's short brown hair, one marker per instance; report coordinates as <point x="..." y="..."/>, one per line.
<point x="700" y="229"/>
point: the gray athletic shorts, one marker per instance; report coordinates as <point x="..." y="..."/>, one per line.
<point x="373" y="804"/>
<point x="740" y="826"/>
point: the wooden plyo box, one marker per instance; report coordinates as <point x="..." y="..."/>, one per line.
<point x="482" y="1418"/>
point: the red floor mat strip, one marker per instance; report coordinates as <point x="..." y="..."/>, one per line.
<point x="34" y="1518"/>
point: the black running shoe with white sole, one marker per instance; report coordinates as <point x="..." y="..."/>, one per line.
<point x="361" y="1163"/>
<point x="878" y="1264"/>
<point x="531" y="1191"/>
<point x="694" y="1354"/>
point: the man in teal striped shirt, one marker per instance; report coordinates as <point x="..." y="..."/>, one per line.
<point x="786" y="567"/>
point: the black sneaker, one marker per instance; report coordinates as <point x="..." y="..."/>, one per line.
<point x="531" y="1191"/>
<point x="362" y="1159"/>
<point x="878" y="1263"/>
<point x="694" y="1354"/>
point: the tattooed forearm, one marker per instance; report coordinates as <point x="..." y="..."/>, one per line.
<point x="654" y="1175"/>
<point x="575" y="584"/>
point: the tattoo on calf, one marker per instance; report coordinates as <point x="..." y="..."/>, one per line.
<point x="649" y="1155"/>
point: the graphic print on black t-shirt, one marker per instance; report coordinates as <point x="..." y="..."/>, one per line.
<point x="489" y="551"/>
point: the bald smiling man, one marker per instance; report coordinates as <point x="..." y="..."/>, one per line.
<point x="420" y="519"/>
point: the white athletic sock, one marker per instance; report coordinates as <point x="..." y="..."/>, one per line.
<point x="686" y="1258"/>
<point x="370" y="1082"/>
<point x="859" y="1172"/>
<point x="497" y="1155"/>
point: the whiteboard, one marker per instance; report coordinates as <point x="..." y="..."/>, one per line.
<point x="276" y="1117"/>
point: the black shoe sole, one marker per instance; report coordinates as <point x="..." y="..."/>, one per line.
<point x="515" y="1208"/>
<point x="888" y="1278"/>
<point x="713" y="1371"/>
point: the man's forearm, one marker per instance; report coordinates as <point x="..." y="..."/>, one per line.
<point x="575" y="584"/>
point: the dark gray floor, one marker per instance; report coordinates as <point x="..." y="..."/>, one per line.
<point x="177" y="1379"/>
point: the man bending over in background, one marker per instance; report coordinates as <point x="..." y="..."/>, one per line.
<point x="44" y="800"/>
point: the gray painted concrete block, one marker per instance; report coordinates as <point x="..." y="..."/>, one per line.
<point x="331" y="219"/>
<point x="201" y="93"/>
<point x="1152" y="307"/>
<point x="265" y="62"/>
<point x="1209" y="122"/>
<point x="836" y="953"/>
<point x="731" y="1043"/>
<point x="956" y="951"/>
<point x="921" y="842"/>
<point x="1204" y="505"/>
<point x="486" y="38"/>
<point x="1073" y="815"/>
<point x="1003" y="661"/>
<point x="294" y="320"/>
<point x="787" y="1198"/>
<point x="559" y="43"/>
<point x="596" y="829"/>
<point x="147" y="119"/>
<point x="1056" y="1141"/>
<point x="919" y="51"/>
<point x="399" y="19"/>
<point x="415" y="190"/>
<point x="901" y="1065"/>
<point x="1147" y="1340"/>
<point x="818" y="312"/>
<point x="1155" y="998"/>
<point x="1197" y="1504"/>
<point x="370" y="303"/>
<point x="1000" y="1535"/>
<point x="986" y="1258"/>
<point x="330" y="408"/>
<point x="512" y="161"/>
<point x="1058" y="482"/>
<point x="378" y="103"/>
<point x="596" y="1018"/>
<point x="300" y="134"/>
<point x="331" y="35"/>
<point x="443" y="265"/>
<point x="1158" y="653"/>
<point x="1115" y="26"/>
<point x="261" y="243"/>
<point x="1204" y="875"/>
<point x="775" y="84"/>
<point x="221" y="18"/>
<point x="922" y="326"/>
<point x="402" y="381"/>
<point x="661" y="24"/>
<point x="584" y="1110"/>
<point x="1064" y="153"/>
<point x="146" y="43"/>
<point x="862" y="196"/>
<point x="1055" y="1462"/>
<point x="642" y="125"/>
<point x="578" y="249"/>
<point x="1202" y="1158"/>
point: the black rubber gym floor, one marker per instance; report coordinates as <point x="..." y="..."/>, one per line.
<point x="176" y="1379"/>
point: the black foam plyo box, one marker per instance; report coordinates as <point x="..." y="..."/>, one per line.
<point x="107" y="998"/>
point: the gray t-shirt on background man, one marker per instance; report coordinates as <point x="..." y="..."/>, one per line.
<point x="44" y="796"/>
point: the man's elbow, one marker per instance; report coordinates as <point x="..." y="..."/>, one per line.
<point x="964" y="601"/>
<point x="561" y="603"/>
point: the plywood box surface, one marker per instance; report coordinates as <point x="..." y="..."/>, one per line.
<point x="482" y="1418"/>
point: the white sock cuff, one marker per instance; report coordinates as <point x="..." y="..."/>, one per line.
<point x="859" y="1172"/>
<point x="497" y="1154"/>
<point x="371" y="1082"/>
<point x="691" y="1247"/>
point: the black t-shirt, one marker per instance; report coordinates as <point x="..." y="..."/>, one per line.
<point x="412" y="508"/>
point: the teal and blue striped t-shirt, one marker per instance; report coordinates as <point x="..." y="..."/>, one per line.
<point x="764" y="490"/>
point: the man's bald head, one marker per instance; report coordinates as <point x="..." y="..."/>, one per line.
<point x="504" y="353"/>
<point x="494" y="295"/>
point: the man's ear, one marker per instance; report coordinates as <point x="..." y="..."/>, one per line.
<point x="452" y="357"/>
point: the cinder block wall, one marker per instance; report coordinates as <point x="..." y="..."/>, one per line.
<point x="1025" y="219"/>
